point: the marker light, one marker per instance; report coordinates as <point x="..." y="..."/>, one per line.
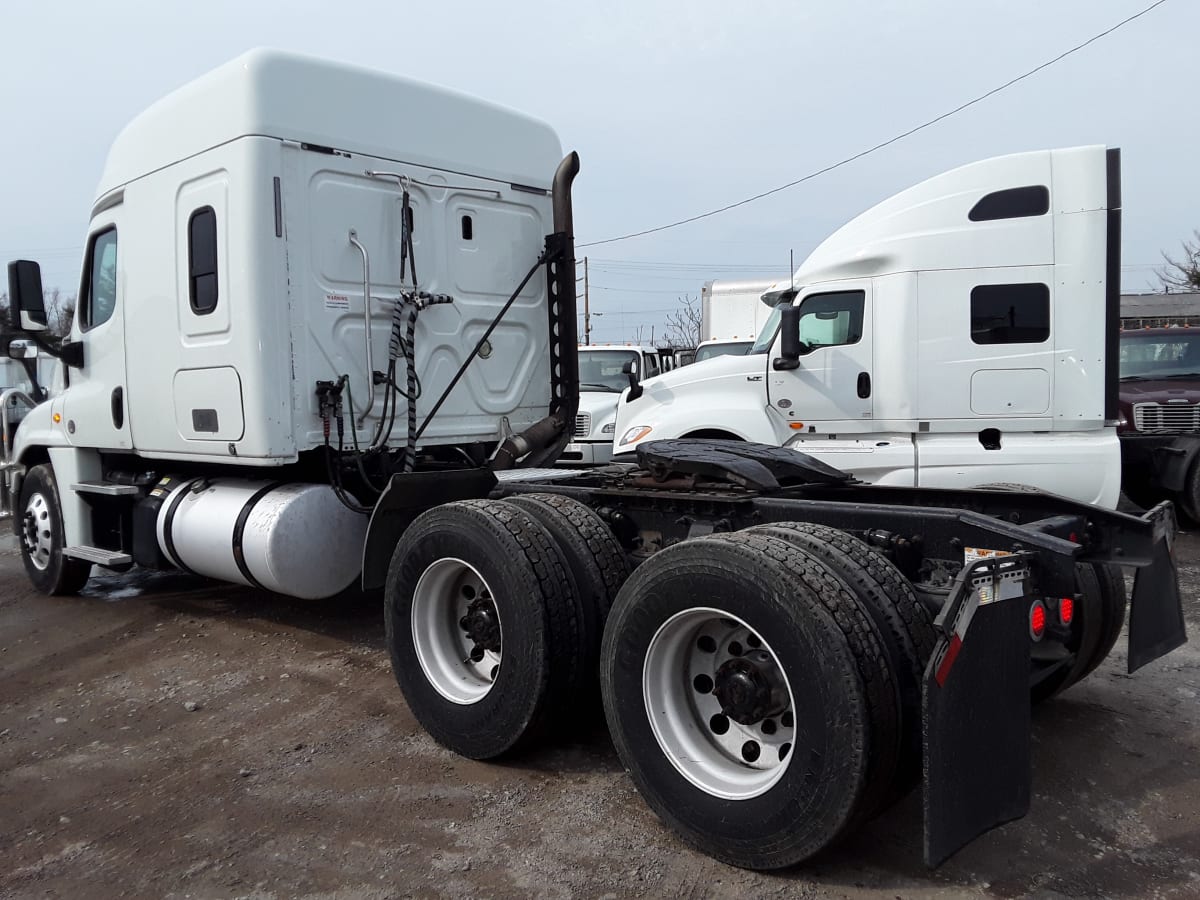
<point x="1066" y="610"/>
<point x="1037" y="620"/>
<point x="57" y="418"/>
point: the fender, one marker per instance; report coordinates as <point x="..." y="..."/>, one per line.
<point x="1163" y="460"/>
<point x="406" y="496"/>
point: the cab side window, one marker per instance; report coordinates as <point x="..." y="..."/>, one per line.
<point x="831" y="320"/>
<point x="100" y="281"/>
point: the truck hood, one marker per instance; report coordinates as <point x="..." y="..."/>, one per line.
<point x="1161" y="390"/>
<point x="705" y="395"/>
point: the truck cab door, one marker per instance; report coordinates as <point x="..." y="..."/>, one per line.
<point x="831" y="389"/>
<point x="95" y="407"/>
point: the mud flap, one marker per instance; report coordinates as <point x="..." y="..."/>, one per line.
<point x="976" y="716"/>
<point x="1155" y="613"/>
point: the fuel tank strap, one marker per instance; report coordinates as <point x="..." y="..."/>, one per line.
<point x="169" y="518"/>
<point x="239" y="528"/>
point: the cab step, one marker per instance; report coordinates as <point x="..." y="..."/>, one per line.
<point x="98" y="556"/>
<point x="107" y="488"/>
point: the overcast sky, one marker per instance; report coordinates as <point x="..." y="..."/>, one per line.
<point x="674" y="107"/>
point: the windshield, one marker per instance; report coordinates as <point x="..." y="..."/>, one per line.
<point x="600" y="370"/>
<point x="728" y="348"/>
<point x="1154" y="356"/>
<point x="770" y="328"/>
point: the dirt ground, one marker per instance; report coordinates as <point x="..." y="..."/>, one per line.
<point x="169" y="737"/>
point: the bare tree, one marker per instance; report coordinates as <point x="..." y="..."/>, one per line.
<point x="60" y="312"/>
<point x="683" y="325"/>
<point x="1183" y="273"/>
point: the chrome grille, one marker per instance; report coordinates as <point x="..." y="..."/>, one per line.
<point x="583" y="425"/>
<point x="1181" y="417"/>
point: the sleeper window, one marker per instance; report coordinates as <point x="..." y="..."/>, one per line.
<point x="1010" y="313"/>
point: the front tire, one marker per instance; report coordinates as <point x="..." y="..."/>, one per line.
<point x="39" y="528"/>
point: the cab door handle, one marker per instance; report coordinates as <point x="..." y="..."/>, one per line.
<point x="864" y="385"/>
<point x="118" y="407"/>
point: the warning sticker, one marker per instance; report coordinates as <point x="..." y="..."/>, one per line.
<point x="972" y="554"/>
<point x="337" y="301"/>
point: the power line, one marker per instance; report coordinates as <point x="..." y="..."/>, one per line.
<point x="882" y="144"/>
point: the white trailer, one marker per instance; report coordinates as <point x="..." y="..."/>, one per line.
<point x="733" y="310"/>
<point x="957" y="334"/>
<point x="328" y="327"/>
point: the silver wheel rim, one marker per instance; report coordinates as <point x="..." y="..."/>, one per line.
<point x="37" y="534"/>
<point x="719" y="755"/>
<point x="450" y="599"/>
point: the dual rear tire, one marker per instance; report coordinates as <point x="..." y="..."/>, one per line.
<point x="493" y="641"/>
<point x="759" y="686"/>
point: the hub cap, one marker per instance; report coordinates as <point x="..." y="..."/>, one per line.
<point x="456" y="631"/>
<point x="719" y="703"/>
<point x="36" y="535"/>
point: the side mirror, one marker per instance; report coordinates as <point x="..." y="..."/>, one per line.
<point x="789" y="339"/>
<point x="635" y="387"/>
<point x="19" y="348"/>
<point x="27" y="308"/>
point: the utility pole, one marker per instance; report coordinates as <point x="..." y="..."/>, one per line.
<point x="587" y="312"/>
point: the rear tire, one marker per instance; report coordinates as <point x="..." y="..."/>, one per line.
<point x="482" y="626"/>
<point x="39" y="526"/>
<point x="902" y="621"/>
<point x="598" y="566"/>
<point x="692" y="606"/>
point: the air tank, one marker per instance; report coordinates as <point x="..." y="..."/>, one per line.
<point x="295" y="539"/>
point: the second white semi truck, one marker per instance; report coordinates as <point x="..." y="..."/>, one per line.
<point x="327" y="337"/>
<point x="958" y="334"/>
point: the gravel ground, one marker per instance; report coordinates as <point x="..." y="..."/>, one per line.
<point x="163" y="736"/>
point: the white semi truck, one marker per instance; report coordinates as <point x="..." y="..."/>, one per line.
<point x="327" y="335"/>
<point x="602" y="378"/>
<point x="957" y="334"/>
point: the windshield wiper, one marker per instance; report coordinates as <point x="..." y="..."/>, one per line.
<point x="1134" y="378"/>
<point x="606" y="388"/>
<point x="1181" y="375"/>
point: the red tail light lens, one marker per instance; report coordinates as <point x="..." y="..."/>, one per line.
<point x="1066" y="610"/>
<point x="1037" y="620"/>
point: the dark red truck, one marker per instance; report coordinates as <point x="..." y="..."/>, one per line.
<point x="1159" y="422"/>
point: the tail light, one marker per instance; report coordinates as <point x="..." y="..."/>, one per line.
<point x="1066" y="610"/>
<point x="1037" y="620"/>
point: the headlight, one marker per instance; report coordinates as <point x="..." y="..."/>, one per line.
<point x="610" y="428"/>
<point x="636" y="433"/>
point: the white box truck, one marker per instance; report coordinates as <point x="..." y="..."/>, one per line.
<point x="958" y="334"/>
<point x="327" y="335"/>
